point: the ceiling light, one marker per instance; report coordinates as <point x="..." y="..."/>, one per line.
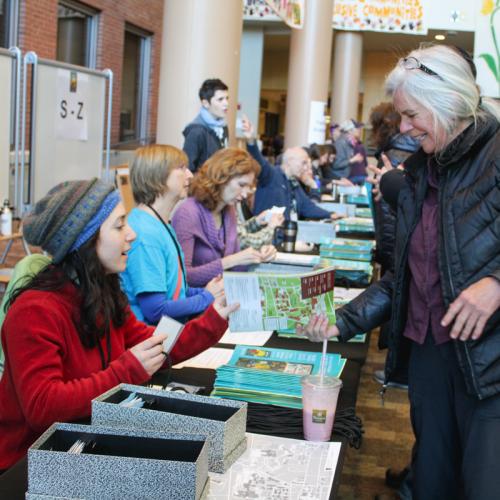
<point x="440" y="37"/>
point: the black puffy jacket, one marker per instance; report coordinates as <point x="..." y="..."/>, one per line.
<point x="469" y="250"/>
<point x="398" y="149"/>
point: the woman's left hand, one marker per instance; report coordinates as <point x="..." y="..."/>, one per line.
<point x="268" y="253"/>
<point x="221" y="306"/>
<point x="470" y="311"/>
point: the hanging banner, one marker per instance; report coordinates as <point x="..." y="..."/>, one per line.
<point x="291" y="11"/>
<point x="394" y="16"/>
<point x="487" y="48"/>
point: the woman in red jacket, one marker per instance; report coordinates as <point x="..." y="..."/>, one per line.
<point x="69" y="334"/>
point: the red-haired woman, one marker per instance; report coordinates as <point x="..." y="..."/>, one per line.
<point x="205" y="223"/>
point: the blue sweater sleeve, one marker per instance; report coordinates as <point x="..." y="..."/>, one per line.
<point x="153" y="305"/>
<point x="266" y="170"/>
<point x="307" y="208"/>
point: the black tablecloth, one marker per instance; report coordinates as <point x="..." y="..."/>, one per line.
<point x="13" y="483"/>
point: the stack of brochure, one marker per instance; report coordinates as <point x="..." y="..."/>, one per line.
<point x="361" y="199"/>
<point x="350" y="273"/>
<point x="355" y="224"/>
<point x="363" y="212"/>
<point x="270" y="376"/>
<point x="343" y="248"/>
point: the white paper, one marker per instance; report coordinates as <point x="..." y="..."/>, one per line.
<point x="211" y="358"/>
<point x="346" y="209"/>
<point x="315" y="232"/>
<point x="258" y="338"/>
<point x="272" y="211"/>
<point x="317" y="123"/>
<point x="279" y="468"/>
<point x="296" y="258"/>
<point x="172" y="329"/>
<point x="71" y="112"/>
<point x="345" y="295"/>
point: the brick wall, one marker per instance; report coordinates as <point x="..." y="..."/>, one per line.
<point x="38" y="32"/>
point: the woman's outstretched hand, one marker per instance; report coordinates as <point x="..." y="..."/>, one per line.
<point x="317" y="329"/>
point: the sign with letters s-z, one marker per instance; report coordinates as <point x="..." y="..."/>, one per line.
<point x="71" y="112"/>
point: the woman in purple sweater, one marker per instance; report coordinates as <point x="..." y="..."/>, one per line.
<point x="205" y="223"/>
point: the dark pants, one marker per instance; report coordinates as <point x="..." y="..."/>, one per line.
<point x="457" y="436"/>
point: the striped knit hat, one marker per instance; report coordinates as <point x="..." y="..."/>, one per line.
<point x="69" y="215"/>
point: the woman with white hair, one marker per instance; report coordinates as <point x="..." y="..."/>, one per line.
<point x="443" y="296"/>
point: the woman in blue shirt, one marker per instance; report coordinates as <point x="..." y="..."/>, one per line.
<point x="155" y="278"/>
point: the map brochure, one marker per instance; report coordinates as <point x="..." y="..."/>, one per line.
<point x="278" y="301"/>
<point x="270" y="376"/>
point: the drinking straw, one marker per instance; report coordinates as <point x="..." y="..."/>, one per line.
<point x="322" y="368"/>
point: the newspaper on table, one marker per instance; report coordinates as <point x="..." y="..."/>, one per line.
<point x="278" y="301"/>
<point x="279" y="468"/>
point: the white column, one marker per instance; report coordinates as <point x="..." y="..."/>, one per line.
<point x="347" y="61"/>
<point x="252" y="49"/>
<point x="200" y="40"/>
<point x="309" y="71"/>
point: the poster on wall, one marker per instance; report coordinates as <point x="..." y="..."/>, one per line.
<point x="394" y="16"/>
<point x="291" y="11"/>
<point x="487" y="48"/>
<point x="317" y="123"/>
<point x="71" y="112"/>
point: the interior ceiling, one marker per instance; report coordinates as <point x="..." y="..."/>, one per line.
<point x="390" y="42"/>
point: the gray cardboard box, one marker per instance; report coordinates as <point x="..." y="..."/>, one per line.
<point x="123" y="463"/>
<point x="223" y="421"/>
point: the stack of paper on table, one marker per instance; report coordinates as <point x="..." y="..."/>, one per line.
<point x="357" y="224"/>
<point x="344" y="248"/>
<point x="363" y="212"/>
<point x="296" y="259"/>
<point x="314" y="232"/>
<point x="353" y="272"/>
<point x="345" y="209"/>
<point x="247" y="338"/>
<point x="271" y="376"/>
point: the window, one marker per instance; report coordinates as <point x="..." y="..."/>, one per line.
<point x="76" y="34"/>
<point x="8" y="22"/>
<point x="135" y="85"/>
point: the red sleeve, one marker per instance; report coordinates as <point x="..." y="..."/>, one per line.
<point x="199" y="334"/>
<point x="37" y="346"/>
<point x="135" y="331"/>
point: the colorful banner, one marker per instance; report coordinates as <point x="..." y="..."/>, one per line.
<point x="487" y="48"/>
<point x="395" y="16"/>
<point x="291" y="11"/>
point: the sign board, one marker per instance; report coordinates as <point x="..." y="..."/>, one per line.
<point x="72" y="100"/>
<point x="317" y="123"/>
<point x="394" y="16"/>
<point x="68" y="127"/>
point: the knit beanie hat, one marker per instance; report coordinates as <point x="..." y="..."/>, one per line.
<point x="60" y="218"/>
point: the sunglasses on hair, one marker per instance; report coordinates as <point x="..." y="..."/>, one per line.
<point x="414" y="63"/>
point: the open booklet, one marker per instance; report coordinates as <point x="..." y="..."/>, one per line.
<point x="278" y="301"/>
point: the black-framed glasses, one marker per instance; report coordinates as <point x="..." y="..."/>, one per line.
<point x="413" y="63"/>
